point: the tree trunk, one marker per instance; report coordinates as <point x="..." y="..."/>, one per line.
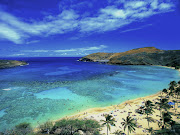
<point x="160" y="111"/>
<point x="148" y="120"/>
<point x="162" y="122"/>
<point x="174" y="105"/>
<point x="177" y="101"/>
<point x="107" y="130"/>
<point x="71" y="130"/>
<point x="163" y="127"/>
<point x="128" y="131"/>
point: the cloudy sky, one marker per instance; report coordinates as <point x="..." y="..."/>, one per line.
<point x="79" y="27"/>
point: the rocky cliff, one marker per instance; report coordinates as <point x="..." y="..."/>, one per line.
<point x="140" y="56"/>
<point x="11" y="63"/>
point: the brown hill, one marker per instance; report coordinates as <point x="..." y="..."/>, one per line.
<point x="135" y="51"/>
<point x="100" y="56"/>
<point x="140" y="56"/>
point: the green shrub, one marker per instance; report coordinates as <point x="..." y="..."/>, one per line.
<point x="23" y="128"/>
<point x="75" y="125"/>
<point x="165" y="132"/>
<point x="90" y="125"/>
<point x="46" y="127"/>
<point x="9" y="132"/>
<point x="96" y="132"/>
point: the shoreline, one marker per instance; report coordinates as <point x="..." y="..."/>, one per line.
<point x="120" y="111"/>
<point x="98" y="113"/>
<point x="172" y="68"/>
<point x="107" y="108"/>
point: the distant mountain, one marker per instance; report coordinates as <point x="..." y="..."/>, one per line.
<point x="140" y="56"/>
<point x="11" y="63"/>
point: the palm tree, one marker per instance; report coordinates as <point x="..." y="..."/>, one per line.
<point x="165" y="91"/>
<point x="179" y="82"/>
<point x="173" y="83"/>
<point x="129" y="123"/>
<point x="177" y="93"/>
<point x="147" y="109"/>
<point x="171" y="91"/>
<point x="150" y="130"/>
<point x="174" y="101"/>
<point x="149" y="119"/>
<point x="109" y="122"/>
<point x="172" y="123"/>
<point x="149" y="104"/>
<point x="163" y="104"/>
<point x="166" y="118"/>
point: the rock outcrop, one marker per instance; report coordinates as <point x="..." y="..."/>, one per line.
<point x="11" y="63"/>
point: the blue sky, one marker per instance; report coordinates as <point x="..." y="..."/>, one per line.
<point x="64" y="28"/>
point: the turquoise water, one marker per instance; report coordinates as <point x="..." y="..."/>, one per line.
<point x="51" y="88"/>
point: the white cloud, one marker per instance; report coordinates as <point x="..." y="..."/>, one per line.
<point x="67" y="50"/>
<point x="18" y="54"/>
<point x="165" y="6"/>
<point x="33" y="41"/>
<point x="36" y="51"/>
<point x="14" y="28"/>
<point x="10" y="34"/>
<point x="154" y="4"/>
<point x="68" y="15"/>
<point x="93" y="48"/>
<point x="135" y="4"/>
<point x="114" y="12"/>
<point x="128" y="30"/>
<point x="114" y="16"/>
<point x="144" y="14"/>
<point x="101" y="23"/>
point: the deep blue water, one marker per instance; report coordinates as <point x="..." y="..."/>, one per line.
<point x="51" y="88"/>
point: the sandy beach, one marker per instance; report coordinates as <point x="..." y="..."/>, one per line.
<point x="124" y="109"/>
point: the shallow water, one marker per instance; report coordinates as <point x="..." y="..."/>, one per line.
<point x="51" y="88"/>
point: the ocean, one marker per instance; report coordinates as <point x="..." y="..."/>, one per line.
<point x="50" y="88"/>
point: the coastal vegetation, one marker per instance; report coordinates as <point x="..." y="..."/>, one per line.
<point x="166" y="104"/>
<point x="129" y="123"/>
<point x="147" y="109"/>
<point x="109" y="122"/>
